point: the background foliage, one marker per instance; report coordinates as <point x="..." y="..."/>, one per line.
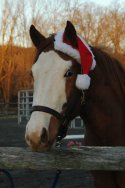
<point x="104" y="27"/>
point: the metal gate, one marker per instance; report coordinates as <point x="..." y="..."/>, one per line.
<point x="25" y="98"/>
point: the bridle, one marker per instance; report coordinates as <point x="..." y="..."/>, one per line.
<point x="62" y="117"/>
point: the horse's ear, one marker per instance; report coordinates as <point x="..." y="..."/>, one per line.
<point x="70" y="34"/>
<point x="36" y="37"/>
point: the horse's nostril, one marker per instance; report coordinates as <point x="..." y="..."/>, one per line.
<point x="44" y="136"/>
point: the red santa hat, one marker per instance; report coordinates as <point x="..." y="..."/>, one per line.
<point x="82" y="54"/>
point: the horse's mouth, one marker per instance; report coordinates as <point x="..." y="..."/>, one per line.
<point x="42" y="147"/>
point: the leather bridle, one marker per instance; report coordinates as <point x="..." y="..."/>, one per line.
<point x="49" y="111"/>
<point x="62" y="117"/>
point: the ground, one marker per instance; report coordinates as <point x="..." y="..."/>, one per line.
<point x="12" y="134"/>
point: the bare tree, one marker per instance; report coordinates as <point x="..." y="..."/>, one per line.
<point x="98" y="26"/>
<point x="7" y="64"/>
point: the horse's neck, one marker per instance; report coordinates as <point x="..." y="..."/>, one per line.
<point x="74" y="105"/>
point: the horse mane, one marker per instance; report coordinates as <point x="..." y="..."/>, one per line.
<point x="107" y="57"/>
<point x="111" y="68"/>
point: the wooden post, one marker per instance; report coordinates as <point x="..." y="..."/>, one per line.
<point x="85" y="158"/>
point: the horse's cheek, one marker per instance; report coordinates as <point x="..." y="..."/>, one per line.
<point x="53" y="129"/>
<point x="69" y="86"/>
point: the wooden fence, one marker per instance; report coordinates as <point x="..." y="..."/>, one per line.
<point x="84" y="158"/>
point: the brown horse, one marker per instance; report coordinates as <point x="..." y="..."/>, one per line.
<point x="58" y="99"/>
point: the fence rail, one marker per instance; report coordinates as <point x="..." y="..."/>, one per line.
<point x="85" y="158"/>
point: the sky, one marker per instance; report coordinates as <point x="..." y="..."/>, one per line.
<point x="102" y="3"/>
<point x="106" y="2"/>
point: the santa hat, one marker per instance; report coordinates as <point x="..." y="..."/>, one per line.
<point x="82" y="54"/>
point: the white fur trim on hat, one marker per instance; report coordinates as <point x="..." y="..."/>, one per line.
<point x="93" y="64"/>
<point x="65" y="48"/>
<point x="83" y="81"/>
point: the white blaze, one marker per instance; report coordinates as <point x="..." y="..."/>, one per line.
<point x="49" y="88"/>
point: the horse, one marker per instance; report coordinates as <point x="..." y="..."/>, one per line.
<point x="59" y="96"/>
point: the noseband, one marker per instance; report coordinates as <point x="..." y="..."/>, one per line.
<point x="61" y="117"/>
<point x="48" y="110"/>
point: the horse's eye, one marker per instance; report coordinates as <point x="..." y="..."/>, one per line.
<point x="68" y="73"/>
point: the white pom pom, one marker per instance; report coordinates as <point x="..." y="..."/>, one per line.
<point x="83" y="81"/>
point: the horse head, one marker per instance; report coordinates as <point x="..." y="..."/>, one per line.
<point x="57" y="85"/>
